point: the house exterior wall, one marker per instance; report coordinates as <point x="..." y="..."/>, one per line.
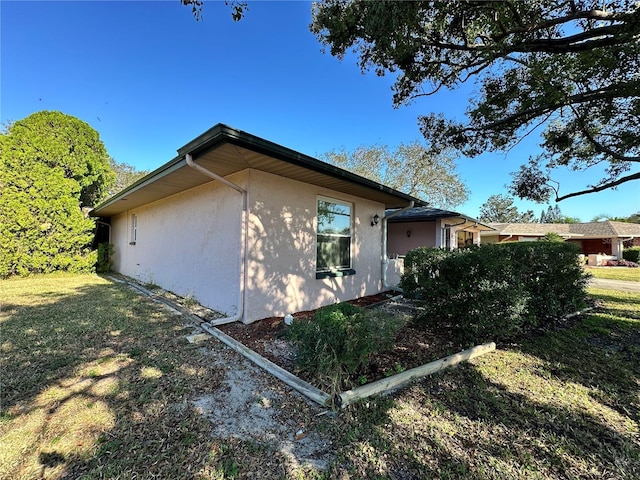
<point x="281" y="261"/>
<point x="421" y="234"/>
<point x="187" y="243"/>
<point x="190" y="244"/>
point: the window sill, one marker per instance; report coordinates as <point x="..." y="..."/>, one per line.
<point x="335" y="273"/>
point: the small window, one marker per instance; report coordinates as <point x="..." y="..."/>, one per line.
<point x="134" y="229"/>
<point x="333" y="254"/>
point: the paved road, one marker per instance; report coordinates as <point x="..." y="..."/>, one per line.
<point x="616" y="285"/>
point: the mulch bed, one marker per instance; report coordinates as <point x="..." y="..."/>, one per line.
<point x="412" y="347"/>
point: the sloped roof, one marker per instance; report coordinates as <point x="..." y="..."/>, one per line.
<point x="225" y="151"/>
<point x="425" y="214"/>
<point x="606" y="229"/>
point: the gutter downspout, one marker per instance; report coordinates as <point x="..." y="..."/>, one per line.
<point x="385" y="258"/>
<point x="243" y="239"/>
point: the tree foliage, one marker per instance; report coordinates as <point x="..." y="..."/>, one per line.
<point x="51" y="165"/>
<point x="500" y="209"/>
<point x="125" y="175"/>
<point x="555" y="215"/>
<point x="409" y="168"/>
<point x="569" y="67"/>
<point x="238" y="8"/>
<point x="633" y="218"/>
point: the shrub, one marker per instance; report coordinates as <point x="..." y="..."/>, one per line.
<point x="104" y="262"/>
<point x="632" y="254"/>
<point x="552" y="237"/>
<point x="338" y="340"/>
<point x="495" y="292"/>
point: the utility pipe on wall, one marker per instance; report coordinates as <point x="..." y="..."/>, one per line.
<point x="243" y="240"/>
<point x="385" y="258"/>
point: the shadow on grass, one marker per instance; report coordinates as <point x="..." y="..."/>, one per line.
<point x="481" y="421"/>
<point x="95" y="382"/>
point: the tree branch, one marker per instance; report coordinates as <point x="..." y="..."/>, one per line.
<point x="599" y="147"/>
<point x="628" y="178"/>
<point x="583" y="97"/>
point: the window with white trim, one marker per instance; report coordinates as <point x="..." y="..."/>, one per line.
<point x="333" y="238"/>
<point x="134" y="229"/>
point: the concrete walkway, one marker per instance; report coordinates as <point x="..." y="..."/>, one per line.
<point x="621" y="285"/>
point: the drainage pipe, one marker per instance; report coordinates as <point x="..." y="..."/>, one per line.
<point x="385" y="258"/>
<point x="243" y="239"/>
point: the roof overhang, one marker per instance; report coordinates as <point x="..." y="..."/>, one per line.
<point x="225" y="151"/>
<point x="447" y="217"/>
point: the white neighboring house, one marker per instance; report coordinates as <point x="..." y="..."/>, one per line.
<point x="251" y="228"/>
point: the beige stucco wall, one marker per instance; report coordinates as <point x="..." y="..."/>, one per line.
<point x="187" y="243"/>
<point x="190" y="244"/>
<point x="423" y="234"/>
<point x="282" y="248"/>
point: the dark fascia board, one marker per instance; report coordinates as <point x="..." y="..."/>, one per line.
<point x="407" y="217"/>
<point x="223" y="133"/>
<point x="169" y="167"/>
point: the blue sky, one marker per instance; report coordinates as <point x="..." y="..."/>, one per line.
<point x="149" y="78"/>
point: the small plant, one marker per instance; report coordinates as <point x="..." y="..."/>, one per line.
<point x="552" y="237"/>
<point x="104" y="262"/>
<point x="339" y="340"/>
<point x="189" y="301"/>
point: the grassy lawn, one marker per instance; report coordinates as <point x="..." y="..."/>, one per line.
<point x="96" y="383"/>
<point x="563" y="405"/>
<point x="615" y="273"/>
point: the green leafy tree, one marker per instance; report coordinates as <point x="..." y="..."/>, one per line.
<point x="125" y="175"/>
<point x="555" y="215"/>
<point x="633" y="218"/>
<point x="500" y="209"/>
<point x="51" y="165"/>
<point x="409" y="168"/>
<point x="566" y="67"/>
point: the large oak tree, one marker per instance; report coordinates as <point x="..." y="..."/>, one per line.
<point x="568" y="67"/>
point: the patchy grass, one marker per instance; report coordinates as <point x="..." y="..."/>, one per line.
<point x="96" y="383"/>
<point x="615" y="273"/>
<point x="562" y="405"/>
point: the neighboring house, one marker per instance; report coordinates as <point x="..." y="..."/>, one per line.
<point x="431" y="227"/>
<point x="251" y="228"/>
<point x="605" y="238"/>
<point x="426" y="227"/>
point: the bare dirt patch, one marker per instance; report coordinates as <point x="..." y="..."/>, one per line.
<point x="251" y="405"/>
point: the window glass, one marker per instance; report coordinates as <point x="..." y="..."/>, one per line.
<point x="333" y="236"/>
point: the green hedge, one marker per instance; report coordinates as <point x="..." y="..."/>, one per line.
<point x="495" y="292"/>
<point x="632" y="254"/>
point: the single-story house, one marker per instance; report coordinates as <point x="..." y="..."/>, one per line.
<point x="604" y="238"/>
<point x="252" y="229"/>
<point x="431" y="227"/>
